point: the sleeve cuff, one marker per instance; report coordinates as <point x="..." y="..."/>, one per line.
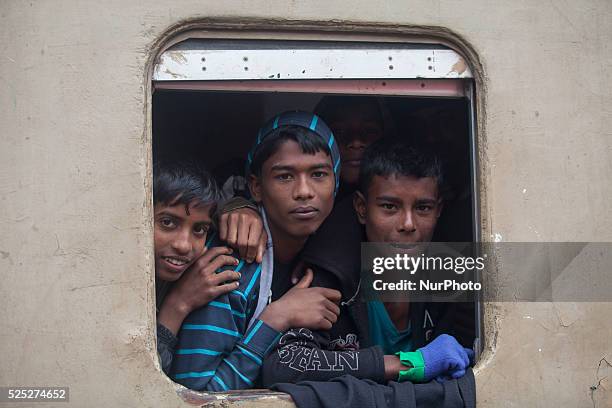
<point x="378" y="364"/>
<point x="236" y="203"/>
<point x="260" y="338"/>
<point x="413" y="359"/>
<point x="165" y="336"/>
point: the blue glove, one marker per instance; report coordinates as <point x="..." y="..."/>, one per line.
<point x="444" y="359"/>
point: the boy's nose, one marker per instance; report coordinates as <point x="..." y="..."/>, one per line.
<point x="407" y="223"/>
<point x="182" y="244"/>
<point x="356" y="141"/>
<point x="303" y="190"/>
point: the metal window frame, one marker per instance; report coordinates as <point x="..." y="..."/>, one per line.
<point x="202" y="60"/>
<point x="441" y="88"/>
<point x="396" y="69"/>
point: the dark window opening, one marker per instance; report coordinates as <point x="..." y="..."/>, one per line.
<point x="218" y="127"/>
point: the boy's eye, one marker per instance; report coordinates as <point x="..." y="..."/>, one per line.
<point x="388" y="206"/>
<point x="284" y="177"/>
<point x="424" y="208"/>
<point x="201" y="230"/>
<point x="167" y="223"/>
<point x="319" y="174"/>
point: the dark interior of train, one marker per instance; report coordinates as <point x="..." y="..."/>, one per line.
<point x="218" y="128"/>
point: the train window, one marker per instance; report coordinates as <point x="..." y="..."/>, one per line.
<point x="211" y="96"/>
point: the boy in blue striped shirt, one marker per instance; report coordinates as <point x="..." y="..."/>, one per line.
<point x="185" y="199"/>
<point x="293" y="176"/>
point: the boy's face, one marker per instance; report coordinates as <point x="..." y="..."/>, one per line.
<point x="180" y="236"/>
<point x="296" y="189"/>
<point x="399" y="209"/>
<point x="355" y="129"/>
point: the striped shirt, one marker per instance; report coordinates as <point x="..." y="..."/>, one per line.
<point x="217" y="350"/>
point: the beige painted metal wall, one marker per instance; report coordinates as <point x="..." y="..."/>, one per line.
<point x="76" y="297"/>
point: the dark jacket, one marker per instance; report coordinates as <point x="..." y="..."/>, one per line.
<point x="304" y="355"/>
<point x="350" y="392"/>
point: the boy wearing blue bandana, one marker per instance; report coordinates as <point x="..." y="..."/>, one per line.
<point x="292" y="173"/>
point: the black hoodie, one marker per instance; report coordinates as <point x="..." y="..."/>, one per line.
<point x="303" y="355"/>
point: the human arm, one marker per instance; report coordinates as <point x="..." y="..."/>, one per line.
<point x="350" y="392"/>
<point x="217" y="352"/>
<point x="304" y="354"/>
<point x="443" y="359"/>
<point x="211" y="360"/>
<point x="198" y="286"/>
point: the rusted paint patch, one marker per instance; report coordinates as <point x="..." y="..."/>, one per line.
<point x="178" y="57"/>
<point x="174" y="74"/>
<point x="459" y="67"/>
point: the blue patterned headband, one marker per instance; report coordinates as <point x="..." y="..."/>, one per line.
<point x="308" y="121"/>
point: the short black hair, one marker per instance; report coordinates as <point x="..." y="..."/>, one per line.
<point x="387" y="157"/>
<point x="184" y="182"/>
<point x="309" y="142"/>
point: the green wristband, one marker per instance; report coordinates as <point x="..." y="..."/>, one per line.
<point x="416" y="372"/>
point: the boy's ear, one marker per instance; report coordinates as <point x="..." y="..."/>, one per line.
<point x="255" y="188"/>
<point x="359" y="203"/>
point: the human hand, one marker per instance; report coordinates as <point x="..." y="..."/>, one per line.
<point x="298" y="272"/>
<point x="303" y="306"/>
<point x="244" y="231"/>
<point x="198" y="286"/>
<point x="445" y="358"/>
